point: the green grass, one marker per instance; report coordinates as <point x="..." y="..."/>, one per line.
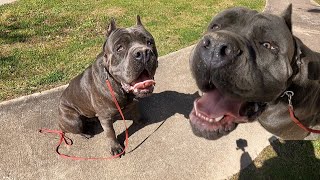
<point x="46" y="43"/>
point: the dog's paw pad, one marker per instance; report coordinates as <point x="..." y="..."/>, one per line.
<point x="116" y="149"/>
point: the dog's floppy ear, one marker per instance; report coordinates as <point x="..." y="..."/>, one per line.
<point x="286" y="15"/>
<point x="111" y="27"/>
<point x="139" y="23"/>
<point x="314" y="70"/>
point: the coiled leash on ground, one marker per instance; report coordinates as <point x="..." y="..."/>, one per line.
<point x="64" y="139"/>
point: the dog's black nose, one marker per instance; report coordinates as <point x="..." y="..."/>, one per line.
<point x="143" y="54"/>
<point x="219" y="50"/>
<point x="206" y="42"/>
<point x="138" y="55"/>
<point x="225" y="50"/>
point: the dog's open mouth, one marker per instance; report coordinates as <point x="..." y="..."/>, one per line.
<point x="141" y="87"/>
<point x="215" y="114"/>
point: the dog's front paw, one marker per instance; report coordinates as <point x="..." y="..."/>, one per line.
<point x="86" y="136"/>
<point x="115" y="149"/>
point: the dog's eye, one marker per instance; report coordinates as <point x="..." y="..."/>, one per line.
<point x="215" y="27"/>
<point x="149" y="42"/>
<point x="119" y="48"/>
<point x="272" y="47"/>
<point x="268" y="46"/>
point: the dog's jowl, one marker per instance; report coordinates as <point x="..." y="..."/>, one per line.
<point x="243" y="64"/>
<point x="128" y="61"/>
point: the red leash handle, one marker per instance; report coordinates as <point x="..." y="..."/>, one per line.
<point x="68" y="141"/>
<point x="296" y="120"/>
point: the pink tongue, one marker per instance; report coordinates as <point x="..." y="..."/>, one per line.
<point x="144" y="84"/>
<point x="213" y="104"/>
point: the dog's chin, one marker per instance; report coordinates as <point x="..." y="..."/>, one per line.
<point x="142" y="87"/>
<point x="210" y="129"/>
<point x="143" y="92"/>
<point x="215" y="114"/>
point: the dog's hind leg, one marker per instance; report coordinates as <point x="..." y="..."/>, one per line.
<point x="71" y="121"/>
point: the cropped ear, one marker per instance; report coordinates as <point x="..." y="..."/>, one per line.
<point x="106" y="61"/>
<point x="286" y="15"/>
<point x="313" y="66"/>
<point x="297" y="58"/>
<point x="139" y="23"/>
<point x="111" y="27"/>
<point x="314" y="70"/>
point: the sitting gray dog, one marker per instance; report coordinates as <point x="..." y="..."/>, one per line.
<point x="128" y="61"/>
<point x="243" y="65"/>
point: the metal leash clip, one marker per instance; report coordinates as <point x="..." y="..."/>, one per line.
<point x="289" y="94"/>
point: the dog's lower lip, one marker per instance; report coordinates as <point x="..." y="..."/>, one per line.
<point x="143" y="90"/>
<point x="210" y="130"/>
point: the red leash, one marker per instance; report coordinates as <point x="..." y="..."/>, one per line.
<point x="296" y="120"/>
<point x="68" y="141"/>
<point x="293" y="117"/>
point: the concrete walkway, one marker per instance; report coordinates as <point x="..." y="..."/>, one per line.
<point x="306" y="19"/>
<point x="6" y="1"/>
<point x="163" y="149"/>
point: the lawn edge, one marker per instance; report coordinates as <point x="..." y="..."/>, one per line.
<point x="59" y="89"/>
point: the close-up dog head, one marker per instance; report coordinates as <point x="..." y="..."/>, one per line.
<point x="131" y="57"/>
<point x="244" y="60"/>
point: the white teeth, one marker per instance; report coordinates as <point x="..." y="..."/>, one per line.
<point x="200" y="92"/>
<point x="209" y="119"/>
<point x="219" y="118"/>
<point x="202" y="116"/>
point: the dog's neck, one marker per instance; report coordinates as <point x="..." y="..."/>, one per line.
<point x="306" y="90"/>
<point x="105" y="75"/>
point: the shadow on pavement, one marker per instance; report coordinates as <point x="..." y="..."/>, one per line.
<point x="158" y="108"/>
<point x="290" y="160"/>
<point x="316" y="10"/>
<point x="154" y="109"/>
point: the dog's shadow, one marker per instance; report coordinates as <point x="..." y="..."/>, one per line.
<point x="161" y="106"/>
<point x="155" y="108"/>
<point x="290" y="160"/>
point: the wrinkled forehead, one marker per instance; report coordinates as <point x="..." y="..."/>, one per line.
<point x="242" y="21"/>
<point x="128" y="35"/>
<point x="234" y="16"/>
<point x="269" y="25"/>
